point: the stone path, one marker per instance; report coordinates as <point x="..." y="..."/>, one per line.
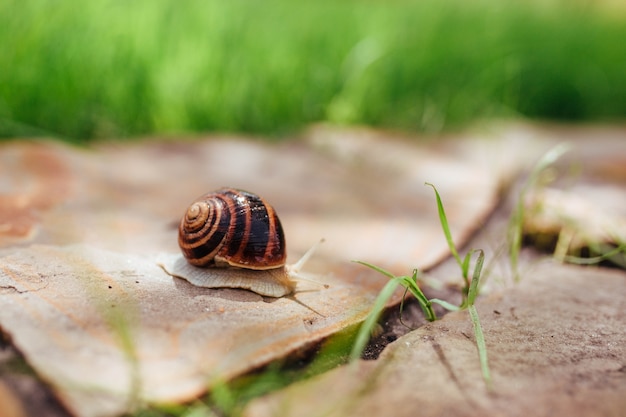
<point x="86" y="305"/>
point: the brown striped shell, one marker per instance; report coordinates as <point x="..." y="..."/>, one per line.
<point x="231" y="227"/>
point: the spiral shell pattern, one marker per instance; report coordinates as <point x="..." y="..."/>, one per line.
<point x="232" y="227"/>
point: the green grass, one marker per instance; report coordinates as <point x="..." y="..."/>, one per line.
<point x="469" y="292"/>
<point x="516" y="221"/>
<point x="541" y="175"/>
<point x="109" y="68"/>
<point x="600" y="253"/>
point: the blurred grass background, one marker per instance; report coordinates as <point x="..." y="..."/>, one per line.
<point x="113" y="68"/>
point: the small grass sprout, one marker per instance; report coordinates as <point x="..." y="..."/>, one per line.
<point x="616" y="256"/>
<point x="470" y="291"/>
<point x="614" y="252"/>
<point x="516" y="222"/>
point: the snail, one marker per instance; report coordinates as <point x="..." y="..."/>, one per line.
<point x="232" y="238"/>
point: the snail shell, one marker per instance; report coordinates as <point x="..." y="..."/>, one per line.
<point x="233" y="239"/>
<point x="232" y="227"/>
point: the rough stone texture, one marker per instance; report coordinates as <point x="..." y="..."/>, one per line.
<point x="81" y="232"/>
<point x="85" y="303"/>
<point x="556" y="345"/>
<point x="555" y="339"/>
<point x="108" y="330"/>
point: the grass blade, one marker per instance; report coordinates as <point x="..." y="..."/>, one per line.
<point x="516" y="223"/>
<point x="473" y="288"/>
<point x="448" y="306"/>
<point x="377" y="269"/>
<point x="549" y="158"/>
<point x="515" y="237"/>
<point x="606" y="256"/>
<point x="465" y="268"/>
<point x="363" y="336"/>
<point x="445" y="226"/>
<point x="411" y="284"/>
<point x="481" y="345"/>
<point x="402" y="308"/>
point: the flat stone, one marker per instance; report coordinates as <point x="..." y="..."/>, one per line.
<point x="82" y="231"/>
<point x="555" y="338"/>
<point x="556" y="346"/>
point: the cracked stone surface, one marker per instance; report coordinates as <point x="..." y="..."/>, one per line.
<point x="81" y="232"/>
<point x="555" y="339"/>
<point x="85" y="303"/>
<point x="556" y="346"/>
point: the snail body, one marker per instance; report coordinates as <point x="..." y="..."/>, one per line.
<point x="277" y="282"/>
<point x="232" y="238"/>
